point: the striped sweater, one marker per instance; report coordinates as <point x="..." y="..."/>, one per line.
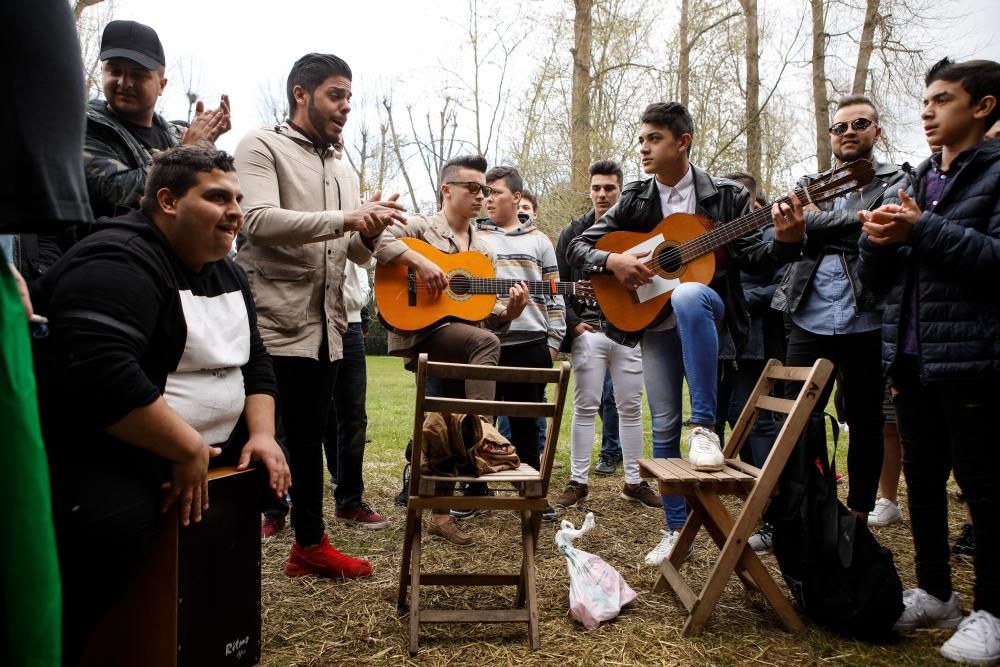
<point x="526" y="253"/>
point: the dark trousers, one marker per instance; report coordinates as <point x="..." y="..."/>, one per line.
<point x="950" y="427"/>
<point x="347" y="421"/>
<point x="304" y="390"/>
<point x="857" y="358"/>
<point x="735" y="386"/>
<point x="523" y="430"/>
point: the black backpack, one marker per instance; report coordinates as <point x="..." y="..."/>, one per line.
<point x="841" y="577"/>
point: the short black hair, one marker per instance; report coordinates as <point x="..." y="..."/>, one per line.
<point x="608" y="168"/>
<point x="313" y="69"/>
<point x="851" y="100"/>
<point x="474" y="162"/>
<point x="177" y="170"/>
<point x="979" y="78"/>
<point x="530" y="196"/>
<point x="509" y="175"/>
<point x="671" y="115"/>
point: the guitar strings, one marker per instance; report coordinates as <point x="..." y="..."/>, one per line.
<point x="819" y="191"/>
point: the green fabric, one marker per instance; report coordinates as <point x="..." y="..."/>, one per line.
<point x="29" y="567"/>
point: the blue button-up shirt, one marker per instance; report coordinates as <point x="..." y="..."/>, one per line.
<point x="829" y="308"/>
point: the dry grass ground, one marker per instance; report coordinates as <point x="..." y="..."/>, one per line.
<point x="312" y="621"/>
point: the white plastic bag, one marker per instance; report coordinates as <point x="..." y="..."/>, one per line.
<point x="597" y="592"/>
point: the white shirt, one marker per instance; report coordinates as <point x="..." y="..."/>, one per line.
<point x="678" y="198"/>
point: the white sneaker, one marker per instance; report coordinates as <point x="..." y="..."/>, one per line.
<point x="762" y="540"/>
<point x="923" y="610"/>
<point x="885" y="513"/>
<point x="704" y="451"/>
<point x="662" y="550"/>
<point x="977" y="640"/>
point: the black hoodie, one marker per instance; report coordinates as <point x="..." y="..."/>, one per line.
<point x="129" y="323"/>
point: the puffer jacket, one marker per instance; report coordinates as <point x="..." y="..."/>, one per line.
<point x="115" y="162"/>
<point x="831" y="232"/>
<point x="720" y="200"/>
<point x="952" y="259"/>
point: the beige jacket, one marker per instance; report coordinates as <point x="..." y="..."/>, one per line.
<point x="435" y="231"/>
<point x="294" y="198"/>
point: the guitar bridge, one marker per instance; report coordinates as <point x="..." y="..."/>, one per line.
<point x="411" y="287"/>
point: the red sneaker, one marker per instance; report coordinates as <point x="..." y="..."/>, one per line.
<point x="325" y="561"/>
<point x="271" y="526"/>
<point x="361" y="515"/>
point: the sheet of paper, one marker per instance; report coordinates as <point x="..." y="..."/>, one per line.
<point x="659" y="285"/>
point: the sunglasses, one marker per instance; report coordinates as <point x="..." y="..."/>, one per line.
<point x="473" y="187"/>
<point x="858" y="125"/>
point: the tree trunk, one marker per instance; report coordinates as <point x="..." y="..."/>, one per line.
<point x="399" y="154"/>
<point x="684" y="59"/>
<point x="865" y="48"/>
<point x="752" y="110"/>
<point x="580" y="130"/>
<point x="821" y="104"/>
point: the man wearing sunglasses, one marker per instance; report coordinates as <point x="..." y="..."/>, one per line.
<point x="833" y="315"/>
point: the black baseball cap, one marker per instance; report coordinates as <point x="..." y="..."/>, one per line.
<point x="134" y="41"/>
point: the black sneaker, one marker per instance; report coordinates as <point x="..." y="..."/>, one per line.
<point x="472" y="490"/>
<point x="403" y="496"/>
<point x="965" y="545"/>
<point x="607" y="465"/>
<point x="549" y="513"/>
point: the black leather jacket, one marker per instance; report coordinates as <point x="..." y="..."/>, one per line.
<point x="831" y="232"/>
<point x="720" y="200"/>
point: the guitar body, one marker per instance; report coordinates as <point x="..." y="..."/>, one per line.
<point x="621" y="306"/>
<point x="403" y="308"/>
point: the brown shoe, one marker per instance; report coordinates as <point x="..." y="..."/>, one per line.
<point x="641" y="493"/>
<point x="574" y="493"/>
<point x="450" y="532"/>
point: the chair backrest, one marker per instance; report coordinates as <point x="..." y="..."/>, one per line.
<point x="551" y="410"/>
<point x="796" y="411"/>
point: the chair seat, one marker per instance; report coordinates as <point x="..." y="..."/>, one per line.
<point x="736" y="477"/>
<point x="523" y="473"/>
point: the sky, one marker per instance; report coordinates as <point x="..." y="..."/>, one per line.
<point x="242" y="48"/>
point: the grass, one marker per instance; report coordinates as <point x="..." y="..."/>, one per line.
<point x="312" y="621"/>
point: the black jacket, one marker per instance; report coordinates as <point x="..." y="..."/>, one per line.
<point x="576" y="310"/>
<point x="953" y="260"/>
<point x="833" y="232"/>
<point x="115" y="162"/>
<point x="719" y="200"/>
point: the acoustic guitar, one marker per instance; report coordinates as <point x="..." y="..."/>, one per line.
<point x="405" y="304"/>
<point x="682" y="248"/>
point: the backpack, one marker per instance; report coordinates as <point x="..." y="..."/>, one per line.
<point x="836" y="570"/>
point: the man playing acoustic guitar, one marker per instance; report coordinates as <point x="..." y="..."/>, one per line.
<point x="450" y="230"/>
<point x="684" y="343"/>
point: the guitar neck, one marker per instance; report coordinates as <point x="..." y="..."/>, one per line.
<point x="722" y="234"/>
<point x="501" y="286"/>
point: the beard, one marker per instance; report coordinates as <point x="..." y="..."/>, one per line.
<point x="319" y="123"/>
<point x="854" y="153"/>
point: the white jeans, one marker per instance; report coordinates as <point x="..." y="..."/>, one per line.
<point x="593" y="355"/>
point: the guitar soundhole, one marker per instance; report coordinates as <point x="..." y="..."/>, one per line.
<point x="668" y="260"/>
<point x="459" y="284"/>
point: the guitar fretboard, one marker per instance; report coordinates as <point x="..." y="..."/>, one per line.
<point x="501" y="286"/>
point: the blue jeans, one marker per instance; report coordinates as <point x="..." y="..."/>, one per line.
<point x="503" y="425"/>
<point x="689" y="350"/>
<point x="735" y="387"/>
<point x="611" y="445"/>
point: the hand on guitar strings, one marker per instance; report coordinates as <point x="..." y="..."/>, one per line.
<point x="372" y="217"/>
<point x="629" y="270"/>
<point x="891" y="223"/>
<point x="434" y="279"/>
<point x="517" y="299"/>
<point x="789" y="220"/>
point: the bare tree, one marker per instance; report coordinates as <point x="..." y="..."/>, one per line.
<point x="583" y="29"/>
<point x="397" y="150"/>
<point x="865" y="48"/>
<point x="751" y="109"/>
<point x="821" y="100"/>
<point x="90" y="23"/>
<point x="272" y="103"/>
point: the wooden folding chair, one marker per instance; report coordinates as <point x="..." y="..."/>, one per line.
<point x="755" y="485"/>
<point x="530" y="486"/>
